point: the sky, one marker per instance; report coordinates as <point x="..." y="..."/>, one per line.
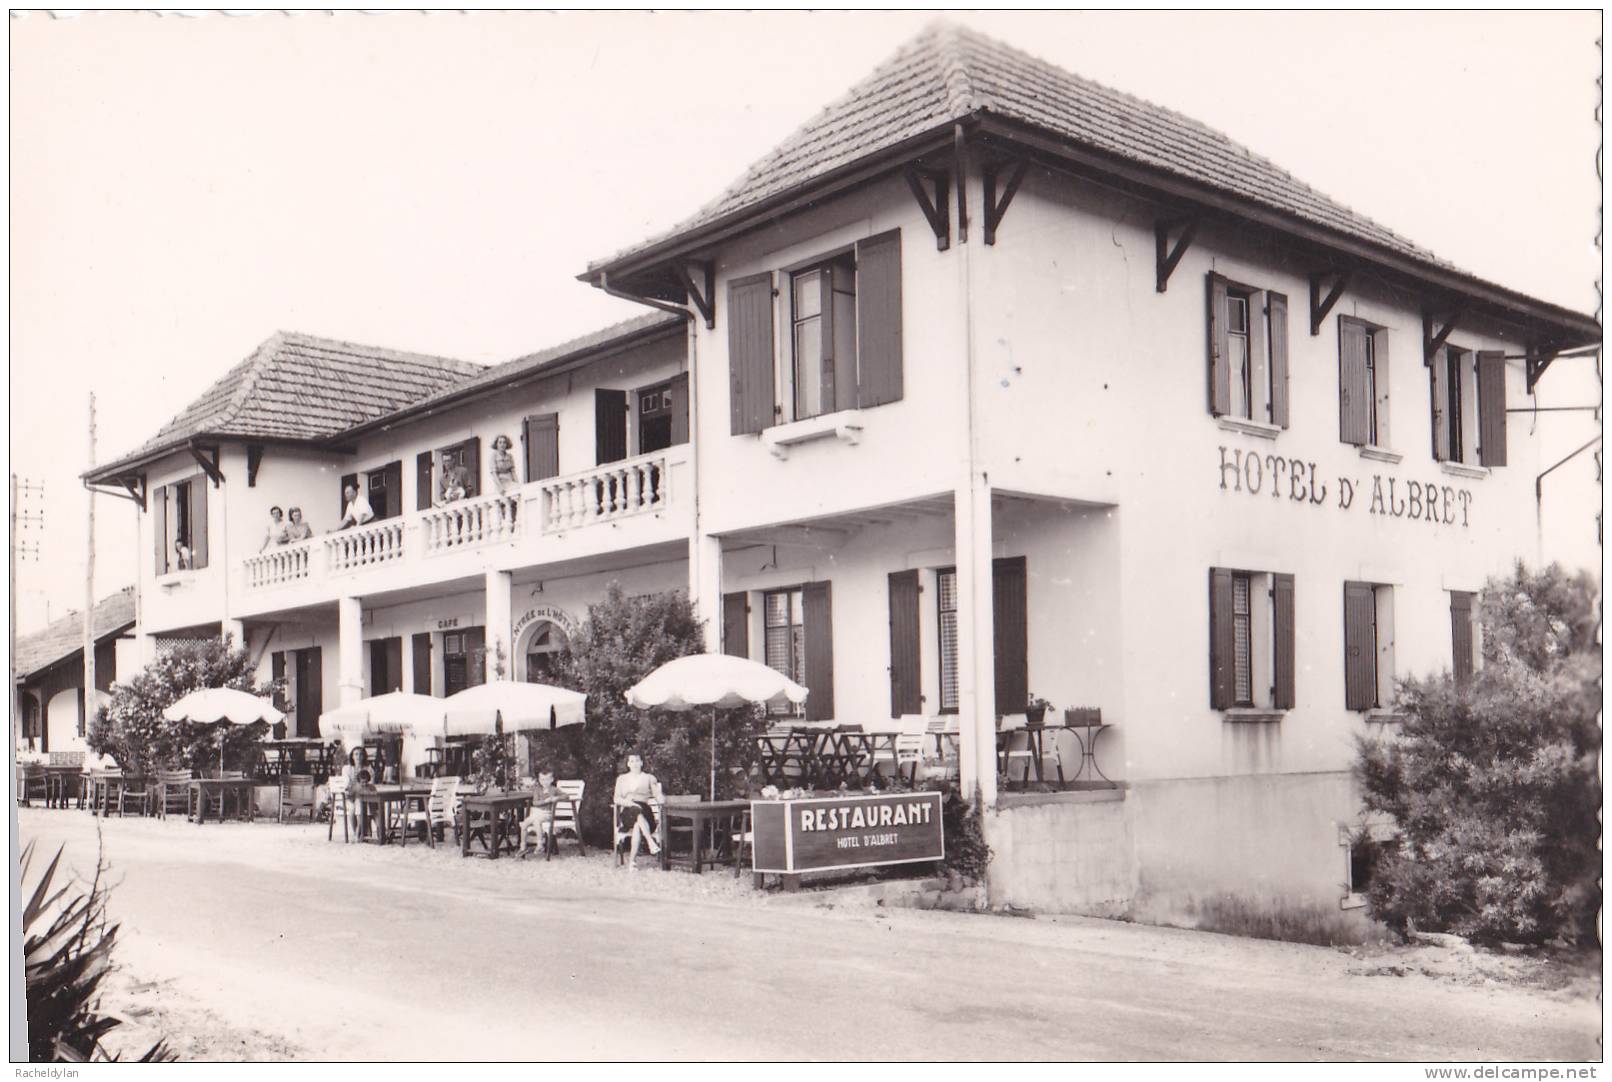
<point x="184" y="186"/>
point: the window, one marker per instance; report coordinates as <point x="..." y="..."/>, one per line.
<point x="1368" y="637"/>
<point x="385" y="666"/>
<point x="786" y="639"/>
<point x="386" y="490"/>
<point x="463" y="659"/>
<point x="179" y="525"/>
<point x="1362" y="383"/>
<point x="1251" y="640"/>
<point x="662" y="415"/>
<point x="1247" y="353"/>
<point x="841" y="317"/>
<point x="1463" y="635"/>
<point x="1468" y="392"/>
<point x="946" y="600"/>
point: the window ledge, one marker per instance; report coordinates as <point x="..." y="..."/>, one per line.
<point x="1249" y="428"/>
<point x="1243" y="715"/>
<point x="1461" y="469"/>
<point x="1352" y="900"/>
<point x="1381" y="454"/>
<point x="1384" y="716"/>
<point x="175" y="578"/>
<point x="845" y="425"/>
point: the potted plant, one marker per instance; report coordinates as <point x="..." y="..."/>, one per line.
<point x="1035" y="712"/>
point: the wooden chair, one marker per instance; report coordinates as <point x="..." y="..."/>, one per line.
<point x="744" y="838"/>
<point x="32" y="781"/>
<point x="565" y="813"/>
<point x="172" y="792"/>
<point x="622" y="841"/>
<point x="338" y="807"/>
<point x="296" y="794"/>
<point x="440" y="811"/>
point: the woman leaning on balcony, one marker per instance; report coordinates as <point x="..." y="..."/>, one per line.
<point x="503" y="465"/>
<point x="277" y="533"/>
<point x="298" y="530"/>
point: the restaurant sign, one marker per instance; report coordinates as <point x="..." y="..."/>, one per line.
<point x="819" y="833"/>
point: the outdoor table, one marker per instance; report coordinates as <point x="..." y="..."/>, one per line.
<point x="861" y="751"/>
<point x="203" y="790"/>
<point x="1035" y="738"/>
<point x="382" y="799"/>
<point x="785" y="758"/>
<point x="497" y="806"/>
<point x="700" y="816"/>
<point x="61" y="783"/>
<point x="1094" y="726"/>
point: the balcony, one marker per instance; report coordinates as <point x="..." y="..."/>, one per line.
<point x="423" y="545"/>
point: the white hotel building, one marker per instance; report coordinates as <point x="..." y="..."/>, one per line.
<point x="988" y="382"/>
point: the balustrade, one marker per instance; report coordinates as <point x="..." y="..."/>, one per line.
<point x="609" y="492"/>
<point x="480" y="520"/>
<point x="365" y="546"/>
<point x="278" y="565"/>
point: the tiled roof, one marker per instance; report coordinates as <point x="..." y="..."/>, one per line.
<point x="61" y="638"/>
<point x="948" y="73"/>
<point x="497" y="375"/>
<point x="299" y="387"/>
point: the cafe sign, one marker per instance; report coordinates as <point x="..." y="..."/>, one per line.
<point x="822" y="833"/>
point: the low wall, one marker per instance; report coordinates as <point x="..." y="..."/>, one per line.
<point x="1062" y="853"/>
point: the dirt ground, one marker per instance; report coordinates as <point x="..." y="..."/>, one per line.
<point x="268" y="942"/>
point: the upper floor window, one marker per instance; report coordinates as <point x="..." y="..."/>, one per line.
<point x="1247" y="352"/>
<point x="1468" y="394"/>
<point x="1251" y="640"/>
<point x="842" y="319"/>
<point x="179" y="525"/>
<point x="448" y="474"/>
<point x="1362" y="383"/>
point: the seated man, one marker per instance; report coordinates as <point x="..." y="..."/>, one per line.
<point x="454" y="484"/>
<point x="358" y="510"/>
<point x="536" y="823"/>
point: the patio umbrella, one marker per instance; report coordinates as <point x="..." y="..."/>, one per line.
<point x="397" y="712"/>
<point x="222" y="706"/>
<point x="717" y="681"/>
<point x="500" y="706"/>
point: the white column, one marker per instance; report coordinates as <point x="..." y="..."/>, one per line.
<point x="408" y="664"/>
<point x="705" y="587"/>
<point x="439" y="668"/>
<point x="350" y="651"/>
<point x="145" y="650"/>
<point x="236" y="630"/>
<point x="498" y="619"/>
<point x="976" y="637"/>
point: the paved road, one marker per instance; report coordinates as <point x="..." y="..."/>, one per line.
<point x="360" y="952"/>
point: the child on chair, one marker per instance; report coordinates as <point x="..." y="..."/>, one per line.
<point x="536" y="823"/>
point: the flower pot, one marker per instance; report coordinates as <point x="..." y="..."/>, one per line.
<point x="1035" y="717"/>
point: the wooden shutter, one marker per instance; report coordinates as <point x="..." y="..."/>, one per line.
<point x="310" y="691"/>
<point x="159" y="527"/>
<point x="198" y="522"/>
<point x="1354" y="410"/>
<point x="1439" y="391"/>
<point x="1491" y="408"/>
<point x="906" y="694"/>
<point x="422" y="663"/>
<point x="609" y="425"/>
<point x="1359" y="646"/>
<point x="277" y="674"/>
<point x="471" y="457"/>
<point x="1010" y="610"/>
<point x="817" y="613"/>
<point x="736" y="624"/>
<point x="422" y="480"/>
<point x="1283" y="631"/>
<point x="1461" y="635"/>
<point x="677" y="400"/>
<point x="386" y="490"/>
<point x="341" y="495"/>
<point x="1222" y="648"/>
<point x="751" y="393"/>
<point x="541" y="435"/>
<point x="1219" y="349"/>
<point x="1276" y="308"/>
<point x="878" y="320"/>
<point x="478" y="662"/>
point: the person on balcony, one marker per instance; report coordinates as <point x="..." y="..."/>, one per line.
<point x="503" y="465"/>
<point x="277" y="533"/>
<point x="358" y="509"/>
<point x="298" y="530"/>
<point x="454" y="485"/>
<point x="184" y="559"/>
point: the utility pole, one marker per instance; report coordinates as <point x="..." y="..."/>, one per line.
<point x="22" y="549"/>
<point x="89" y="588"/>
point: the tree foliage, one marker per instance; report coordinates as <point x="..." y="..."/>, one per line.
<point x="132" y="730"/>
<point x="623" y="640"/>
<point x="1493" y="784"/>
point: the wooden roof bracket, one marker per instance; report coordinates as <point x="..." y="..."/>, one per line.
<point x="996" y="207"/>
<point x="1321" y="307"/>
<point x="703" y="299"/>
<point x="254" y="459"/>
<point x="136" y="486"/>
<point x="209" y="465"/>
<point x="1166" y="254"/>
<point x="937" y="209"/>
<point x="1434" y="335"/>
<point x="1539" y="358"/>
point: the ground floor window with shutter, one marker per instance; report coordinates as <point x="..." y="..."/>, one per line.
<point x="946" y="601"/>
<point x="1251" y="641"/>
<point x="786" y="639"/>
<point x="1463" y="635"/>
<point x="1368" y="645"/>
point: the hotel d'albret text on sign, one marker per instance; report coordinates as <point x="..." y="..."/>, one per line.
<point x="820" y="833"/>
<point x="1298" y="481"/>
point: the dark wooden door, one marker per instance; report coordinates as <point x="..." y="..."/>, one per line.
<point x="310" y="691"/>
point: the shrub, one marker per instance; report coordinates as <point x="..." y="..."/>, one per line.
<point x="1493" y="784"/>
<point x="622" y="641"/>
<point x="133" y="731"/>
<point x="967" y="853"/>
<point x="66" y="956"/>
